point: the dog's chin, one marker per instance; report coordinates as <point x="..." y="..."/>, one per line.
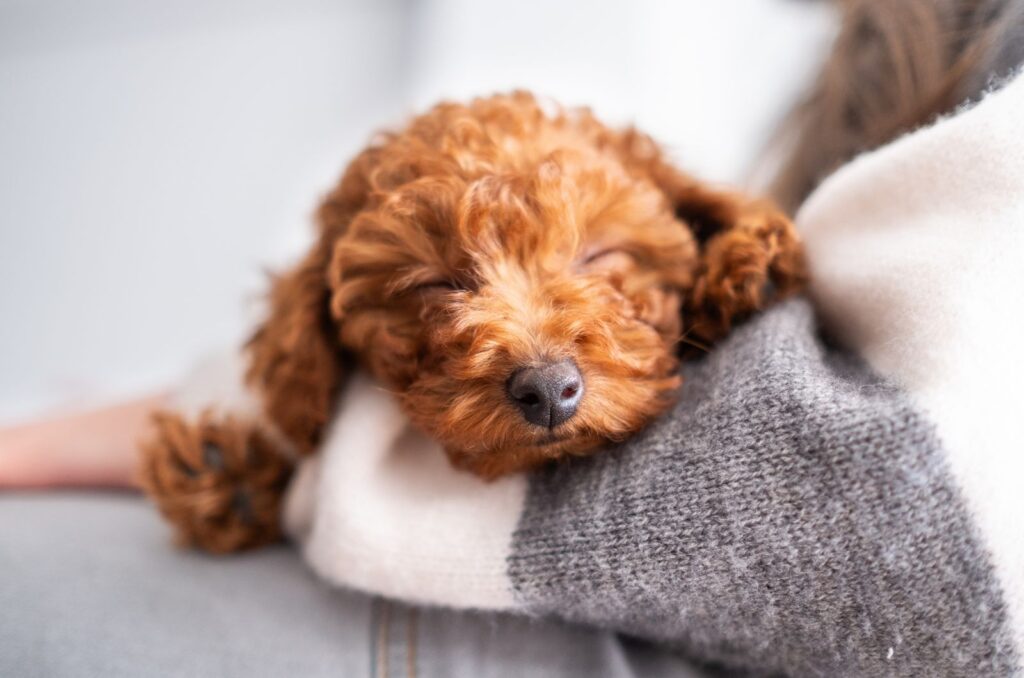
<point x="525" y="456"/>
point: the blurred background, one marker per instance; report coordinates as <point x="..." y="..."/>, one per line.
<point x="156" y="159"/>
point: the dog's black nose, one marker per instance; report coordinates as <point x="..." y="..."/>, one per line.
<point x="548" y="394"/>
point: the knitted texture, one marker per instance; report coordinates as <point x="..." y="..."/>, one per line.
<point x="792" y="514"/>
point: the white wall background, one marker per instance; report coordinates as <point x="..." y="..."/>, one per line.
<point x="156" y="157"/>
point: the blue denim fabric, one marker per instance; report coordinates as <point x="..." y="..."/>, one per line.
<point x="91" y="586"/>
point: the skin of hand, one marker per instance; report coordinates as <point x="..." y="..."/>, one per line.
<point x="92" y="448"/>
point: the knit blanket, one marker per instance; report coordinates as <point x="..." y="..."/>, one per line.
<point x="838" y="491"/>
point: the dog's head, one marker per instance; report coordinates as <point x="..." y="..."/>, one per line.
<point x="513" y="275"/>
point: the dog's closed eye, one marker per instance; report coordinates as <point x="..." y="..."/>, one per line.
<point x="438" y="285"/>
<point x="437" y="289"/>
<point x="425" y="287"/>
<point x="608" y="260"/>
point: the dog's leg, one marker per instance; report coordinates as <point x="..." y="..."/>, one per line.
<point x="750" y="254"/>
<point x="751" y="258"/>
<point x="219" y="482"/>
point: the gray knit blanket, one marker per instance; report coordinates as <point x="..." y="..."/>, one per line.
<point x="838" y="492"/>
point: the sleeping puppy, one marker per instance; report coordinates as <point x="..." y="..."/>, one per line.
<point x="523" y="278"/>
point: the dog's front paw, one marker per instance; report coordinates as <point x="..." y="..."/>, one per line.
<point x="745" y="269"/>
<point x="219" y="483"/>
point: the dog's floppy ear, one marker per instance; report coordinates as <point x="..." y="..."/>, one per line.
<point x="750" y="254"/>
<point x="295" y="360"/>
<point x="294" y="364"/>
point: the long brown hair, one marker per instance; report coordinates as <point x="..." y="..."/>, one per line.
<point x="895" y="65"/>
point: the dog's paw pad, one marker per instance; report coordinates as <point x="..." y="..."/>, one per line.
<point x="219" y="483"/>
<point x="213" y="456"/>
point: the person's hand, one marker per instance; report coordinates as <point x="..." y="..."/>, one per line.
<point x="95" y="448"/>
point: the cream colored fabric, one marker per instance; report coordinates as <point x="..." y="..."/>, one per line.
<point x="382" y="510"/>
<point x="917" y="254"/>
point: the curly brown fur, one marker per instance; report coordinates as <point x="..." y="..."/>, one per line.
<point x="220" y="483"/>
<point x="489" y="237"/>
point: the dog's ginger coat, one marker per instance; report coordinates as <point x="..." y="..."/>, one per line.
<point x="481" y="240"/>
